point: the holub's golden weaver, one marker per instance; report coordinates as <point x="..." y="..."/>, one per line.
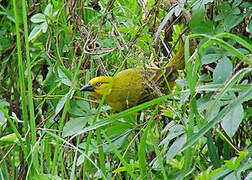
<point x="134" y="86"/>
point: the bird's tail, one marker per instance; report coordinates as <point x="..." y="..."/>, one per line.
<point x="178" y="60"/>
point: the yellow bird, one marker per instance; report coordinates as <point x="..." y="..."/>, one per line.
<point x="134" y="86"/>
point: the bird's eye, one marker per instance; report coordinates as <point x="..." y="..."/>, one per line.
<point x="98" y="84"/>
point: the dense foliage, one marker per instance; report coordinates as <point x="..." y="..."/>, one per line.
<point x="51" y="130"/>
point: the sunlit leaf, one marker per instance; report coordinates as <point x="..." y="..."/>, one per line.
<point x="38" y="18"/>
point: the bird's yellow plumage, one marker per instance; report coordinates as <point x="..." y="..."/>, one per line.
<point x="134" y="86"/>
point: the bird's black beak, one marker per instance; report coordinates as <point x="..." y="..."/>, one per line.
<point x="87" y="87"/>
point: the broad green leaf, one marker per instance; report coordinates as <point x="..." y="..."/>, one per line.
<point x="119" y="127"/>
<point x="174" y="131"/>
<point x="35" y="32"/>
<point x="64" y="76"/>
<point x="118" y="142"/>
<point x="236" y="3"/>
<point x="51" y="80"/>
<point x="79" y="108"/>
<point x="61" y="104"/>
<point x="246" y="4"/>
<point x="231" y="176"/>
<point x="197" y="16"/>
<point x="75" y="125"/>
<point x="221" y="16"/>
<point x="49" y="10"/>
<point x="176" y="147"/>
<point x="231" y="21"/>
<point x="209" y="58"/>
<point x="44" y="27"/>
<point x="225" y="6"/>
<point x="222" y="70"/>
<point x="232" y="120"/>
<point x="236" y="11"/>
<point x="38" y="18"/>
<point x="206" y="27"/>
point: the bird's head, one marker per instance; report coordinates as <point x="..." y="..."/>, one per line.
<point x="97" y="86"/>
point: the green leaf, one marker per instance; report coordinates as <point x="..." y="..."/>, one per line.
<point x="197" y="16"/>
<point x="80" y="114"/>
<point x="236" y="11"/>
<point x="221" y="16"/>
<point x="38" y="18"/>
<point x="44" y="27"/>
<point x="225" y="6"/>
<point x="35" y="32"/>
<point x="206" y="27"/>
<point x="64" y="76"/>
<point x="212" y="150"/>
<point x="75" y="125"/>
<point x="49" y="10"/>
<point x="118" y="142"/>
<point x="236" y="3"/>
<point x="79" y="108"/>
<point x="10" y="138"/>
<point x="246" y="4"/>
<point x="129" y="168"/>
<point x="51" y="80"/>
<point x="232" y="120"/>
<point x="119" y="127"/>
<point x="61" y="104"/>
<point x="45" y="177"/>
<point x="174" y="131"/>
<point x="222" y="70"/>
<point x="176" y="147"/>
<point x="209" y="58"/>
<point x="232" y="20"/>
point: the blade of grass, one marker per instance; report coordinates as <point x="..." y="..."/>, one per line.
<point x="75" y="148"/>
<point x="237" y="39"/>
<point x="159" y="158"/>
<point x="213" y="155"/>
<point x="142" y="152"/>
<point x="191" y="70"/>
<point x="22" y="85"/>
<point x="30" y="93"/>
